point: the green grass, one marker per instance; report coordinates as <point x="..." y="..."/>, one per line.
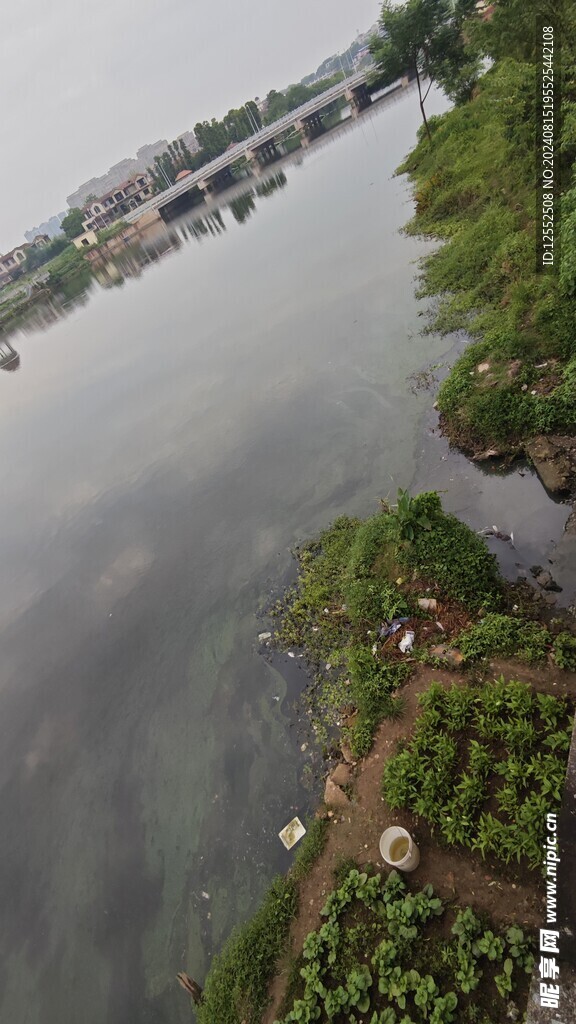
<point x="503" y="634"/>
<point x="236" y="987"/>
<point x="237" y="984"/>
<point x="475" y="189"/>
<point x="359" y="573"/>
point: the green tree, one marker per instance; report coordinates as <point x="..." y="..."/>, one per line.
<point x="212" y="137"/>
<point x="72" y="223"/>
<point x="158" y="183"/>
<point x="426" y="37"/>
<point x="276" y="106"/>
<point x="512" y="29"/>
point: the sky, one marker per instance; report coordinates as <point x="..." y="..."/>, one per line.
<point x="85" y="84"/>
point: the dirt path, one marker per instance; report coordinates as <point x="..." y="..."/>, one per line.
<point x="455" y="874"/>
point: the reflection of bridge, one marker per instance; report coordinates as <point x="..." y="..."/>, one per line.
<point x="261" y="147"/>
<point x="9" y="358"/>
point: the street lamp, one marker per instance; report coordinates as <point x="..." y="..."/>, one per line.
<point x="251" y="119"/>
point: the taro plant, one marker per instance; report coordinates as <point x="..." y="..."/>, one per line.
<point x="408" y="517"/>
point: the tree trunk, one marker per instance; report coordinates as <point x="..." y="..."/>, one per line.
<point x="422" y="104"/>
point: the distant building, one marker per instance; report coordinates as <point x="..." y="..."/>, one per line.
<point x="49" y="227"/>
<point x="12" y="262"/>
<point x="114" y="204"/>
<point x="39" y="241"/>
<point x="189" y="140"/>
<point x="145" y="155"/>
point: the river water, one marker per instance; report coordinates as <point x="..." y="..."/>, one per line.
<point x="165" y="444"/>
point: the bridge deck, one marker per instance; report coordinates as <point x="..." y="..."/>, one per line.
<point x="244" y="148"/>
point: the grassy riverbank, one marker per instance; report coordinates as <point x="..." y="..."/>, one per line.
<point x="367" y="952"/>
<point x="476" y="188"/>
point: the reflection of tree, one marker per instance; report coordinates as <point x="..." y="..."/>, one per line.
<point x="267" y="187"/>
<point x="211" y="224"/>
<point x="242" y="206"/>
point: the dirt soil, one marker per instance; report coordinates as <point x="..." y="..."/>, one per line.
<point x="456" y="874"/>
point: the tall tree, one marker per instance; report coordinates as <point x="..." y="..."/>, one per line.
<point x="426" y="37"/>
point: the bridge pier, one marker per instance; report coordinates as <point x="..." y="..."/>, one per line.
<point x="263" y="155"/>
<point x="214" y="183"/>
<point x="359" y="98"/>
<point x="310" y="127"/>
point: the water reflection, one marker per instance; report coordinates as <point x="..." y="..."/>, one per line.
<point x="150" y="245"/>
<point x="163" y="452"/>
<point x="243" y="206"/>
<point x="9" y="358"/>
<point x="45" y="304"/>
<point x="270" y="186"/>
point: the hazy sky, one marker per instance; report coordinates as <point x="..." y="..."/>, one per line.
<point x="86" y="83"/>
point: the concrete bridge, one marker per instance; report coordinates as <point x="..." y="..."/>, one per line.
<point x="261" y="148"/>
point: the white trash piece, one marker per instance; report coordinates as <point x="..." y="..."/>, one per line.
<point x="398" y="849"/>
<point x="292" y="832"/>
<point x="407" y="642"/>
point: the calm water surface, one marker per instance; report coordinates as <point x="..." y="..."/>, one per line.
<point x="163" y="447"/>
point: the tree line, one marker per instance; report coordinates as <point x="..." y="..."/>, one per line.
<point x="215" y="137"/>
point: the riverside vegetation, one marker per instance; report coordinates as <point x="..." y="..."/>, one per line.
<point x="476" y="188"/>
<point x="386" y="955"/>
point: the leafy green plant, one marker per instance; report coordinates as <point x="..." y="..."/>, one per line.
<point x="504" y="634"/>
<point x="463" y="727"/>
<point x="392" y="988"/>
<point x="357" y="984"/>
<point x="444" y="1007"/>
<point x="504" y="980"/>
<point x="489" y="945"/>
<point x="519" y="948"/>
<point x="564" y="649"/>
<point x="408" y="517"/>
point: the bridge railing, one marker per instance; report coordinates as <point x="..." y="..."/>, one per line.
<point x="241" y="148"/>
